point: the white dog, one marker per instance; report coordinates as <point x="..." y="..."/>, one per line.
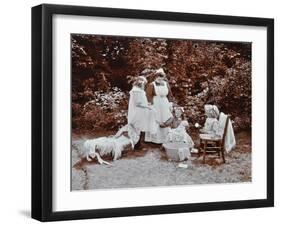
<point x="113" y="145"/>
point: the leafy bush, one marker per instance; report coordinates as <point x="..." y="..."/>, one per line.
<point x="103" y="111"/>
<point x="199" y="72"/>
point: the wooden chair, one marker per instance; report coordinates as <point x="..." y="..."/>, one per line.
<point x="211" y="144"/>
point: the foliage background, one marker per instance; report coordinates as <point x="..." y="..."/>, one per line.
<point x="199" y="72"/>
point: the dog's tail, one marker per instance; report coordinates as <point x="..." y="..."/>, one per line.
<point x="91" y="153"/>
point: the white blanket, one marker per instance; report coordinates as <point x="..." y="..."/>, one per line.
<point x="229" y="142"/>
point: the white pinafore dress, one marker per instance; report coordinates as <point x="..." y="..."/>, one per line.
<point x="161" y="106"/>
<point x="141" y="118"/>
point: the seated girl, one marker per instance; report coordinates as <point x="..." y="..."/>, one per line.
<point x="177" y="133"/>
<point x="211" y="125"/>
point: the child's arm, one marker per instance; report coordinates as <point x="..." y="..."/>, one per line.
<point x="139" y="99"/>
<point x="167" y="123"/>
<point x="204" y="129"/>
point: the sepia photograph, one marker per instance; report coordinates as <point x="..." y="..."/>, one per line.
<point x="145" y="112"/>
<point x="159" y="112"/>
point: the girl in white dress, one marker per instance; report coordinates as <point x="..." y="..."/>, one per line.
<point x="178" y="128"/>
<point x="140" y="115"/>
<point x="162" y="107"/>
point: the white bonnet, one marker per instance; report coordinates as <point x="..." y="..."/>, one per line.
<point x="211" y="111"/>
<point x="139" y="80"/>
<point x="142" y="78"/>
<point x="161" y="72"/>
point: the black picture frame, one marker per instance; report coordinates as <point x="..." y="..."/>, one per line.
<point x="42" y="107"/>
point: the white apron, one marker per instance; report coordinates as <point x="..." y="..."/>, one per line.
<point x="161" y="106"/>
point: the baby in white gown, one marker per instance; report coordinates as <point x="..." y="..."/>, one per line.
<point x="215" y="126"/>
<point x="211" y="125"/>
